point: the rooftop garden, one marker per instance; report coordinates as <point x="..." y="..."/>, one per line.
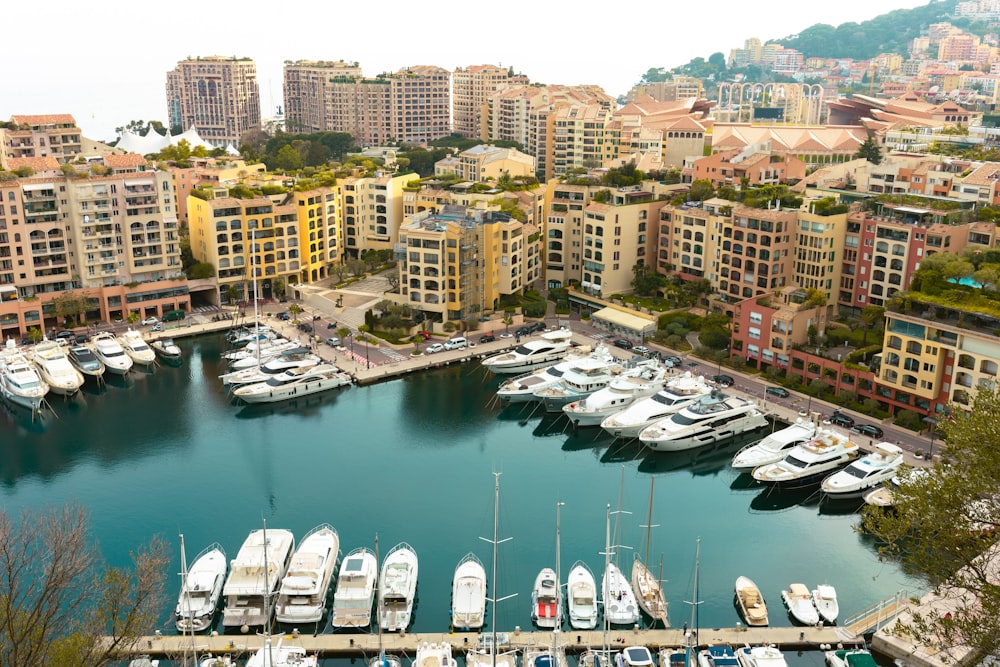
<point x="956" y="289"/>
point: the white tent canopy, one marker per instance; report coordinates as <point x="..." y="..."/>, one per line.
<point x="153" y="142"/>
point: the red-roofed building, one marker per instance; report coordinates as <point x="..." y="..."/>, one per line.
<point x="54" y="135"/>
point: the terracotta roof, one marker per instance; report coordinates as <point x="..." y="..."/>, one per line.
<point x="45" y="119"/>
<point x="124" y="161"/>
<point x="37" y="163"/>
<point x="987" y="174"/>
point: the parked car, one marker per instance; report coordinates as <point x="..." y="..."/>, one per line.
<point x="536" y="326"/>
<point x="870" y="430"/>
<point x="523" y="331"/>
<point x="640" y="349"/>
<point x="157" y="327"/>
<point x="434" y="347"/>
<point x="780" y="392"/>
<point x="839" y="419"/>
<point x="623" y="343"/>
<point x="672" y="360"/>
<point x="149" y="321"/>
<point x="456" y="343"/>
<point x="68" y="335"/>
<point x="306" y="327"/>
<point x="172" y="315"/>
<point x="284" y="316"/>
<point x="487" y="338"/>
<point x="426" y="335"/>
<point x="333" y="341"/>
<point x="723" y="380"/>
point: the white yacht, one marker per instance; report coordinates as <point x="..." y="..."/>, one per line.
<point x="853" y="657"/>
<point x="136" y="348"/>
<point x="775" y="446"/>
<point x="270" y="655"/>
<point x="644" y="379"/>
<point x="297" y="357"/>
<point x="713" y="418"/>
<point x="761" y="656"/>
<point x="55" y="368"/>
<point x="250" y="356"/>
<point x="294" y="383"/>
<point x="620" y="606"/>
<point x="885" y="495"/>
<point x="243" y="336"/>
<point x="468" y="594"/>
<point x="634" y="656"/>
<point x="547" y="349"/>
<point x="352" y="601"/>
<point x="582" y="379"/>
<point x="85" y="361"/>
<point x="522" y="388"/>
<point x="825" y="598"/>
<point x="303" y="592"/>
<point x="546" y="601"/>
<point x="201" y="590"/>
<point x="254" y="576"/>
<point x="110" y="352"/>
<point x="679" y="392"/>
<point x="397" y="588"/>
<point x="581" y="597"/>
<point x="19" y="381"/>
<point x="809" y="463"/>
<point x="166" y="348"/>
<point x="540" y="656"/>
<point x="800" y="604"/>
<point x="864" y="474"/>
<point x="434" y="655"/>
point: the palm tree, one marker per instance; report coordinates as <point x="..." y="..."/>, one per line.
<point x="870" y="315"/>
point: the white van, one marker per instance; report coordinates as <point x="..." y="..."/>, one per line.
<point x="456" y="343"/>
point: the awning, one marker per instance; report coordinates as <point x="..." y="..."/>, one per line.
<point x="636" y="322"/>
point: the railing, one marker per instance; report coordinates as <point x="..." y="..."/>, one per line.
<point x="878" y="614"/>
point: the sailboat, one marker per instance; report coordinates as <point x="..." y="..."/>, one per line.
<point x="382" y="660"/>
<point x="602" y="657"/>
<point x="647" y="588"/>
<point x="488" y="654"/>
<point x="554" y="655"/>
<point x="620" y="607"/>
<point x="686" y="657"/>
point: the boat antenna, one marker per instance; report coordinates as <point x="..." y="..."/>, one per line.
<point x="493" y="577"/>
<point x="559" y="506"/>
<point x="650" y="525"/>
<point x="694" y="602"/>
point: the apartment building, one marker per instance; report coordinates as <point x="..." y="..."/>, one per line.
<point x="757" y="245"/>
<point x="579" y="141"/>
<point x="472" y="88"/>
<point x="52" y="135"/>
<point x="456" y="263"/>
<point x="819" y="243"/>
<point x="677" y="88"/>
<point x="216" y="95"/>
<point x="766" y="327"/>
<point x="210" y="173"/>
<point x="484" y="163"/>
<point x="112" y="237"/>
<point x="689" y="241"/>
<point x="321" y="231"/>
<point x="308" y="93"/>
<point x="372" y="211"/>
<point x="752" y="166"/>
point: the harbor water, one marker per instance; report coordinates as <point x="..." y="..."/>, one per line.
<point x="412" y="460"/>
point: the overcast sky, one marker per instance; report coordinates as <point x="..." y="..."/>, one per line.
<point x="105" y="62"/>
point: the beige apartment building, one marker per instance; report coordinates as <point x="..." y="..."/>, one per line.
<point x="471" y="89"/>
<point x="818" y="257"/>
<point x="211" y="173"/>
<point x="756" y="248"/>
<point x="309" y="100"/>
<point x="52" y="135"/>
<point x="216" y="95"/>
<point x="484" y="163"/>
<point x="689" y="243"/>
<point x="372" y="211"/>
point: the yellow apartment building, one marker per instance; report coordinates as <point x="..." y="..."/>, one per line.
<point x="372" y="209"/>
<point x="818" y="260"/>
<point x="484" y="163"/>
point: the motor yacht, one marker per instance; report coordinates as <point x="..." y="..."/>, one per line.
<point x="201" y="590"/>
<point x="252" y="355"/>
<point x="522" y="388"/>
<point x="281" y="655"/>
<point x="19" y="381"/>
<point x="581" y="597"/>
<point x="775" y="446"/>
<point x="254" y="576"/>
<point x="397" y="588"/>
<point x="85" y="361"/>
<point x="294" y="383"/>
<point x="110" y="352"/>
<point x="304" y="588"/>
<point x="243" y="336"/>
<point x="547" y="349"/>
<point x="751" y="602"/>
<point x="713" y="418"/>
<point x="434" y="655"/>
<point x="634" y="656"/>
<point x="297" y="357"/>
<point x="853" y="657"/>
<point x="620" y="606"/>
<point x="468" y="594"/>
<point x="541" y="656"/>
<point x="825" y="598"/>
<point x="864" y="474"/>
<point x="799" y="602"/>
<point x="166" y="349"/>
<point x="644" y="379"/>
<point x="885" y="495"/>
<point x="136" y="348"/>
<point x="761" y="656"/>
<point x="55" y="368"/>
<point x="679" y="392"/>
<point x="717" y="656"/>
<point x="583" y="378"/>
<point x="809" y="463"/>
<point x="546" y="601"/>
<point x="355" y="593"/>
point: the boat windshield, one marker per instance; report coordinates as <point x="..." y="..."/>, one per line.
<point x="683" y="420"/>
<point x="666" y="399"/>
<point x="798" y="463"/>
<point x="855" y="471"/>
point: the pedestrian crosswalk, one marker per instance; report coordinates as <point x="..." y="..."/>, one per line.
<point x="392" y="354"/>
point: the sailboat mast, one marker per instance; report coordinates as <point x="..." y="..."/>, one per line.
<point x="187" y="598"/>
<point x="493" y="574"/>
<point x="607" y="561"/>
<point x="559" y="600"/>
<point x="378" y="596"/>
<point x="649" y="521"/>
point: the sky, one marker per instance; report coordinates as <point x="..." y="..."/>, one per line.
<point x="106" y="62"/>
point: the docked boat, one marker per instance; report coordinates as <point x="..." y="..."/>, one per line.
<point x="281" y="655"/>
<point x="585" y="377"/>
<point x="468" y="594"/>
<point x="866" y="473"/>
<point x="248" y="358"/>
<point x="775" y="446"/>
<point x="713" y="418"/>
<point x="522" y="388"/>
<point x="853" y="657"/>
<point x="55" y="368"/>
<point x="201" y="589"/>
<point x="294" y="383"/>
<point x="634" y="656"/>
<point x="553" y="656"/>
<point x="434" y="655"/>
<point x="824" y="597"/>
<point x="645" y="379"/>
<point x="254" y="577"/>
<point x="761" y="656"/>
<point x="885" y="495"/>
<point x="809" y="463"/>
<point x="750" y="602"/>
<point x="298" y="357"/>
<point x="799" y="602"/>
<point x="110" y="352"/>
<point x="547" y="349"/>
<point x="243" y="336"/>
<point x="355" y="593"/>
<point x="19" y="381"/>
<point x="679" y="392"/>
<point x="166" y="349"/>
<point x="136" y="348"/>
<point x="620" y="606"/>
<point x="304" y="588"/>
<point x="581" y="597"/>
<point x="397" y="588"/>
<point x="85" y="361"/>
<point x="646" y="586"/>
<point x="717" y="656"/>
<point x="546" y="600"/>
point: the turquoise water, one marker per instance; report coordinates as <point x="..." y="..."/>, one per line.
<point x="412" y="460"/>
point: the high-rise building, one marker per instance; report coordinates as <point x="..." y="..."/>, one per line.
<point x="216" y="95"/>
<point x="472" y="88"/>
<point x="309" y="99"/>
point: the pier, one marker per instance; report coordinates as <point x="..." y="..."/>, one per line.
<point x="572" y="641"/>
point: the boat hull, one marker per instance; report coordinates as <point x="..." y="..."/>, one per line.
<point x="298" y="391"/>
<point x="581" y="593"/>
<point x="708" y="435"/>
<point x="355" y="593"/>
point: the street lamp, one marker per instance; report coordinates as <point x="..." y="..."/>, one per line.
<point x="931" y="423"/>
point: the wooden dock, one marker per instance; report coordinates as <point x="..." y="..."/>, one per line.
<point x="355" y="645"/>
